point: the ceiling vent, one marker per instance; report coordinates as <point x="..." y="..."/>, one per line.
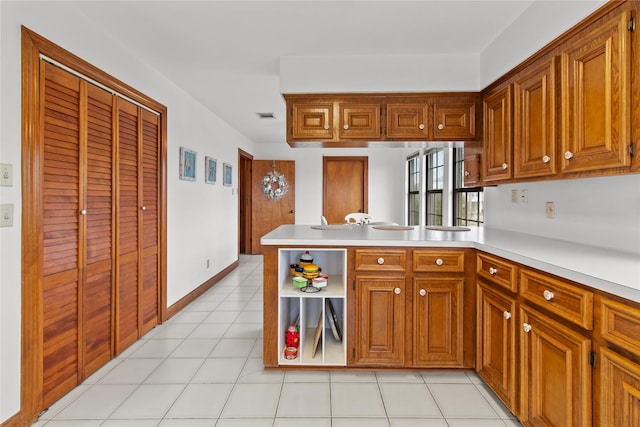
<point x="266" y="115"/>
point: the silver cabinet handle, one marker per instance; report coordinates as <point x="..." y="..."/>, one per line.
<point x="421" y="126"/>
<point x="397" y="291"/>
<point x="492" y="271"/>
<point x="439" y="261"/>
<point x="422" y="292"/>
<point x="505" y="166"/>
<point x="548" y="295"/>
<point x="380" y="261"/>
<point x="507" y="315"/>
<point x="546" y="159"/>
<point x="83" y="212"/>
<point x="568" y="155"/>
<point x="526" y="327"/>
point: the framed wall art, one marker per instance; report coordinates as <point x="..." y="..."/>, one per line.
<point x="210" y="170"/>
<point x="226" y="174"/>
<point x="187" y="164"/>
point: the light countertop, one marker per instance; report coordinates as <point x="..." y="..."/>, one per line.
<point x="608" y="270"/>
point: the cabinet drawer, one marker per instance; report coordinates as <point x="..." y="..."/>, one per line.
<point x="438" y="261"/>
<point x="380" y="260"/>
<point x="497" y="271"/>
<point x="620" y="324"/>
<point x="567" y="301"/>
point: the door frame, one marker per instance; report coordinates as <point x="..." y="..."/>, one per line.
<point x="245" y="195"/>
<point x="33" y="46"/>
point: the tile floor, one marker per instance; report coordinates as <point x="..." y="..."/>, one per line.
<point x="203" y="367"/>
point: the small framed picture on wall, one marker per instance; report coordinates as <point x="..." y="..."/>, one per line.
<point x="210" y="170"/>
<point x="187" y="164"/>
<point x="226" y="174"/>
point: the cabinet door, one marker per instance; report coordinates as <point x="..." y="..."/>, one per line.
<point x="618" y="391"/>
<point x="312" y="121"/>
<point x="380" y="321"/>
<point x="438" y="322"/>
<point x="471" y="173"/>
<point x="497" y="135"/>
<point x="596" y="97"/>
<point x="454" y="121"/>
<point x="496" y="351"/>
<point x="407" y="121"/>
<point x="359" y="121"/>
<point x="555" y="373"/>
<point x="534" y="136"/>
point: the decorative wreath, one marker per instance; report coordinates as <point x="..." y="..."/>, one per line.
<point x="274" y="185"/>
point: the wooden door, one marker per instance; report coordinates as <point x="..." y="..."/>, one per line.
<point x="535" y="134"/>
<point x="408" y="121"/>
<point x="497" y="141"/>
<point x="596" y="97"/>
<point x="617" y="391"/>
<point x="359" y="121"/>
<point x="454" y="122"/>
<point x="77" y="236"/>
<point x="437" y="322"/>
<point x="244" y="201"/>
<point x="344" y="188"/>
<point x="496" y="352"/>
<point x="269" y="209"/>
<point x="471" y="173"/>
<point x="380" y="321"/>
<point x="555" y="374"/>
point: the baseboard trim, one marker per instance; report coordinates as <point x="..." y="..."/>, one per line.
<point x="193" y="295"/>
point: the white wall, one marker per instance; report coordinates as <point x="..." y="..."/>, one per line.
<point x="202" y="219"/>
<point x="386" y="184"/>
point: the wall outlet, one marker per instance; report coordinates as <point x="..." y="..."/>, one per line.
<point x="514" y="196"/>
<point x="550" y="210"/>
<point x="6" y="215"/>
<point x="208" y="263"/>
<point x="524" y="198"/>
<point x="6" y="175"/>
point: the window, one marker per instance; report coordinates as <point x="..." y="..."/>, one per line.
<point x="468" y="202"/>
<point x="413" y="189"/>
<point x="435" y="185"/>
<point x="438" y="173"/>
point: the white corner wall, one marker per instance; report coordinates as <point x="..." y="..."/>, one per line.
<point x="202" y="218"/>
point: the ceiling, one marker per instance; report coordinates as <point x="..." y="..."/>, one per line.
<point x="226" y="54"/>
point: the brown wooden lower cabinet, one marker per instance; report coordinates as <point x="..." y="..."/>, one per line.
<point x="618" y="391"/>
<point x="496" y="343"/>
<point x="555" y="374"/>
<point x="380" y="326"/>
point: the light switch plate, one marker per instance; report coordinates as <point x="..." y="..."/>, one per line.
<point x="6" y="215"/>
<point x="6" y="175"/>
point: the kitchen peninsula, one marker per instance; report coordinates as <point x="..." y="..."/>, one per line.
<point x="412" y="297"/>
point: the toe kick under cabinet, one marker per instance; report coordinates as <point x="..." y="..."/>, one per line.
<point x="317" y="312"/>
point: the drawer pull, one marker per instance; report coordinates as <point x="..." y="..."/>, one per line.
<point x="505" y="166"/>
<point x="568" y="155"/>
<point x="439" y="261"/>
<point x="507" y="315"/>
<point x="548" y="295"/>
<point x="326" y="127"/>
<point x="380" y="261"/>
<point x="346" y="127"/>
<point x="143" y="208"/>
<point x="421" y="126"/>
<point x="83" y="212"/>
<point x="422" y="292"/>
<point x="526" y="327"/>
<point x="546" y="159"/>
<point x="466" y="173"/>
<point x="493" y="271"/>
<point x="440" y="126"/>
<point x="397" y="291"/>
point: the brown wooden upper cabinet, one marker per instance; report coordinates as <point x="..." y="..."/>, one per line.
<point x="408" y="121"/>
<point x="534" y="139"/>
<point x="355" y="120"/>
<point x="596" y="96"/>
<point x="497" y="142"/>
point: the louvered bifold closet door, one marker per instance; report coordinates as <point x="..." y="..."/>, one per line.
<point x="150" y="219"/>
<point x="127" y="306"/>
<point x="77" y="230"/>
